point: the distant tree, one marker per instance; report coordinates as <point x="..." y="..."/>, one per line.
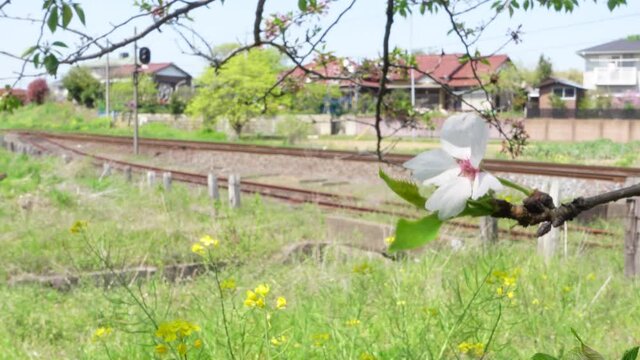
<point x="543" y="70"/>
<point x="37" y="91"/>
<point x="121" y="93"/>
<point x="8" y="101"/>
<point x="313" y="98"/>
<point x="236" y="92"/>
<point x="83" y="88"/>
<point x="574" y="75"/>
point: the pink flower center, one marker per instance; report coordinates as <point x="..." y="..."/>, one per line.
<point x="467" y="170"/>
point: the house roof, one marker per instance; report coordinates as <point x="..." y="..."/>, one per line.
<point x="152" y="68"/>
<point x="629" y="45"/>
<point x="552" y="81"/>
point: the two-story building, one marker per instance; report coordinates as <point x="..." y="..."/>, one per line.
<point x="613" y="68"/>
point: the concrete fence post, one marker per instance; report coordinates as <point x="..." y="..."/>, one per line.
<point x="488" y="230"/>
<point x="2" y="142"/>
<point x="548" y="243"/>
<point x="106" y="171"/>
<point x="631" y="256"/>
<point x="151" y="178"/>
<point x="212" y="186"/>
<point x="12" y="146"/>
<point x="128" y="175"/>
<point x="234" y="191"/>
<point x="166" y="181"/>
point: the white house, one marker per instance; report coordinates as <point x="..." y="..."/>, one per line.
<point x="613" y="68"/>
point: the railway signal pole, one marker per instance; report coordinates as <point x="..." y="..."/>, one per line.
<point x="135" y="93"/>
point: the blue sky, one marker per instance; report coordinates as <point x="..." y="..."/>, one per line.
<point x="557" y="35"/>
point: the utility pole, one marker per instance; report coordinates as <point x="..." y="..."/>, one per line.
<point x="107" y="106"/>
<point x="135" y="92"/>
<point x="413" y="78"/>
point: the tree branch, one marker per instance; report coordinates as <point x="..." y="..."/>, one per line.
<point x="383" y="78"/>
<point x="539" y="209"/>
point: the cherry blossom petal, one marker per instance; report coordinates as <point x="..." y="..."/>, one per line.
<point x="467" y="131"/>
<point x="444" y="178"/>
<point x="449" y="200"/>
<point x="483" y="183"/>
<point x="455" y="151"/>
<point x="430" y="164"/>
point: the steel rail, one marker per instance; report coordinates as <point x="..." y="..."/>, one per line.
<point x="589" y="172"/>
<point x="281" y="192"/>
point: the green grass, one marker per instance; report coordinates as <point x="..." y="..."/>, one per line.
<point x="407" y="309"/>
<point x="65" y="117"/>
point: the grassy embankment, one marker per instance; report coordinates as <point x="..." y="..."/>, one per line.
<point x="443" y="304"/>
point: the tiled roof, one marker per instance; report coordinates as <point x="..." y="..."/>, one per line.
<point x="616" y="46"/>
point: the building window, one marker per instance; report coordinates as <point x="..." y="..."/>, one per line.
<point x="565" y="93"/>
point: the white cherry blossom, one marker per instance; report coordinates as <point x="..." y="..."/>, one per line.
<point x="455" y="168"/>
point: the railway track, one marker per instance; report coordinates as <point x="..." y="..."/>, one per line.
<point x="604" y="173"/>
<point x="288" y="194"/>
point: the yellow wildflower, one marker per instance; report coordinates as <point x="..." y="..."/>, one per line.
<point x="367" y="356"/>
<point x="228" y="284"/>
<point x="262" y="290"/>
<point x="182" y="348"/>
<point x="511" y="294"/>
<point x="401" y="303"/>
<point x="363" y="269"/>
<point x="535" y="302"/>
<point x="320" y="339"/>
<point x="353" y="322"/>
<point x="431" y="311"/>
<point x="389" y="240"/>
<point x="253" y="300"/>
<point x="566" y="289"/>
<point x="101" y="333"/>
<point x="476" y="349"/>
<point x="197" y="248"/>
<point x="197" y="344"/>
<point x="281" y="303"/>
<point x="177" y="329"/>
<point x="78" y="227"/>
<point x="208" y="241"/>
<point x="591" y="276"/>
<point x="161" y="349"/>
<point x="499" y="291"/>
<point x="277" y="341"/>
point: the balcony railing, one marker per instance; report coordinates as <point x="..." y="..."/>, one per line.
<point x="615" y="75"/>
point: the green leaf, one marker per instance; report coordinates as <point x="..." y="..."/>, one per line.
<point x="36" y="60"/>
<point x="413" y="234"/>
<point x="631" y="354"/>
<point x="29" y="51"/>
<point x="59" y="44"/>
<point x="79" y="12"/>
<point x="583" y="352"/>
<point x="541" y="356"/>
<point x="67" y="14"/>
<point x="302" y="5"/>
<point x="53" y="20"/>
<point x="480" y="207"/>
<point x="51" y="64"/>
<point x="405" y="189"/>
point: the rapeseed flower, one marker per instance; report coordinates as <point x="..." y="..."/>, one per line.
<point x="320" y="339"/>
<point x="535" y="302"/>
<point x="281" y="303"/>
<point x="353" y="322"/>
<point x="389" y="240"/>
<point x="367" y="356"/>
<point x="476" y="349"/>
<point x="208" y="241"/>
<point x="177" y="329"/>
<point x="278" y="341"/>
<point x="101" y="333"/>
<point x="262" y="290"/>
<point x="228" y="284"/>
<point x="182" y="348"/>
<point x="78" y="227"/>
<point x="161" y="349"/>
<point x="197" y="248"/>
<point x="362" y="269"/>
<point x="197" y="344"/>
